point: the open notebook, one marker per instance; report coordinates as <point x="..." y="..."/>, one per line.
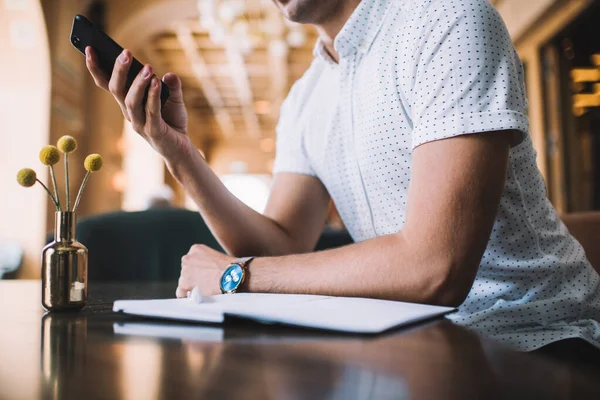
<point x="343" y="314"/>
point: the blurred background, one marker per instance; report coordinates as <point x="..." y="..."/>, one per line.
<point x="238" y="60"/>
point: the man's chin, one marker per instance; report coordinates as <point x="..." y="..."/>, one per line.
<point x="295" y="11"/>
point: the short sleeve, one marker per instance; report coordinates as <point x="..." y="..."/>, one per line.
<point x="290" y="154"/>
<point x="467" y="75"/>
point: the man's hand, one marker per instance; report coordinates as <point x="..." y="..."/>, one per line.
<point x="166" y="129"/>
<point x="202" y="267"/>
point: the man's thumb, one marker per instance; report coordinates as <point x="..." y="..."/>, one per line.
<point x="174" y="84"/>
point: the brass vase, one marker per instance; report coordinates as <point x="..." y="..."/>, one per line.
<point x="64" y="267"/>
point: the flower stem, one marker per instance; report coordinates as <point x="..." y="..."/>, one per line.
<point x="67" y="181"/>
<point x="78" y="199"/>
<point x="49" y="194"/>
<point x="55" y="187"/>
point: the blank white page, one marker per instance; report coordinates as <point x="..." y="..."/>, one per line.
<point x="323" y="312"/>
<point x="212" y="309"/>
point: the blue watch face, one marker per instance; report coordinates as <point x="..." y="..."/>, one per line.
<point x="232" y="278"/>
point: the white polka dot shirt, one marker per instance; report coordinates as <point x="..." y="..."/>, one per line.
<point x="415" y="71"/>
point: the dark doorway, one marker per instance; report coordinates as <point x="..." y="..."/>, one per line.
<point x="573" y="135"/>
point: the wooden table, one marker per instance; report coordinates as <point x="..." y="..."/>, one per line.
<point x="89" y="355"/>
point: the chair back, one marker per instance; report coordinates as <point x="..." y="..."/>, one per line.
<point x="148" y="245"/>
<point x="141" y="246"/>
<point x="331" y="238"/>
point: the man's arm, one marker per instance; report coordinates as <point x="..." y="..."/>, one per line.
<point x="297" y="205"/>
<point x="292" y="222"/>
<point x="455" y="190"/>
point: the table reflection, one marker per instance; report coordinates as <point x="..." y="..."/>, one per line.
<point x="63" y="344"/>
<point x="440" y="360"/>
<point x="422" y="363"/>
<point x="254" y="362"/>
<point x="120" y="357"/>
<point x="437" y="361"/>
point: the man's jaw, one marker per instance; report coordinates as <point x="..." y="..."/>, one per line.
<point x="282" y="4"/>
<point x="287" y="8"/>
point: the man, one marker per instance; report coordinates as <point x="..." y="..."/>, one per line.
<point x="412" y="119"/>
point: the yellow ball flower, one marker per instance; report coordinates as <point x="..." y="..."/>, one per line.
<point x="93" y="163"/>
<point x="67" y="144"/>
<point x="49" y="155"/>
<point x="26" y="177"/>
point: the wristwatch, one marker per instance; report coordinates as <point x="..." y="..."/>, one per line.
<point x="234" y="275"/>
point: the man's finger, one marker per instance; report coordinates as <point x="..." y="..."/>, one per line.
<point x="133" y="100"/>
<point x="185" y="282"/>
<point x="183" y="286"/>
<point x="118" y="80"/>
<point x="181" y="293"/>
<point x="154" y="119"/>
<point x="99" y="77"/>
<point x="92" y="65"/>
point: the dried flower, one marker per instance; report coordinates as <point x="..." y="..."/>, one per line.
<point x="49" y="155"/>
<point x="93" y="163"/>
<point x="67" y="144"/>
<point x="26" y="177"/>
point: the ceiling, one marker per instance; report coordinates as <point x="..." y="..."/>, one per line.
<point x="233" y="93"/>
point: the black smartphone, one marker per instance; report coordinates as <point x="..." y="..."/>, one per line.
<point x="84" y="34"/>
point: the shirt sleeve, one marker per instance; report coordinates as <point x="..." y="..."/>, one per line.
<point x="290" y="153"/>
<point x="468" y="77"/>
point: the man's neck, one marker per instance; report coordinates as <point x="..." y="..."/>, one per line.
<point x="332" y="27"/>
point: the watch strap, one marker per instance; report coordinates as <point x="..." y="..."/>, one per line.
<point x="243" y="262"/>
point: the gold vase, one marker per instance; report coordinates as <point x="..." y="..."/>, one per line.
<point x="64" y="267"/>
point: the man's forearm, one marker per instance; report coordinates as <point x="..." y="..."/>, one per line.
<point x="386" y="267"/>
<point x="224" y="213"/>
<point x="456" y="187"/>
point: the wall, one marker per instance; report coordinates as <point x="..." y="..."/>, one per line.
<point x="24" y="114"/>
<point x="519" y="14"/>
<point x="81" y="110"/>
<point x="67" y="95"/>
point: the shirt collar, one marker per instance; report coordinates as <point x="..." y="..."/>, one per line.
<point x="321" y="52"/>
<point x="359" y="31"/>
